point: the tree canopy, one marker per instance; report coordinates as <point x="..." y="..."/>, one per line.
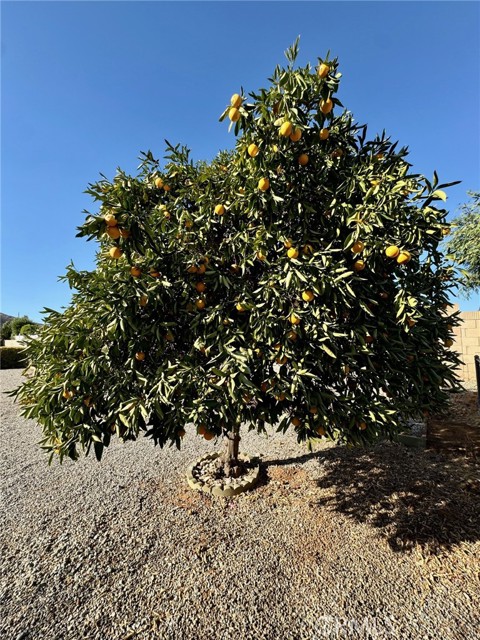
<point x="295" y="280"/>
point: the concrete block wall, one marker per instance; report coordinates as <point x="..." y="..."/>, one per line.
<point x="467" y="342"/>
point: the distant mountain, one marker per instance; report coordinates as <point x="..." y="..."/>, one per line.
<point x="4" y="317"/>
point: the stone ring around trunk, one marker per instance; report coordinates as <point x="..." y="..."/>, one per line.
<point x="201" y="476"/>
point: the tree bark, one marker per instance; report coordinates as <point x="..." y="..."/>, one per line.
<point x="229" y="458"/>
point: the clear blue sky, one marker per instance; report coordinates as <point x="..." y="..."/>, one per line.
<point x="86" y="86"/>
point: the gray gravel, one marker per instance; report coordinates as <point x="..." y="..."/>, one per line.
<point x="124" y="549"/>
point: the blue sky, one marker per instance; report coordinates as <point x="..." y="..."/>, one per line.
<point x="86" y="86"/>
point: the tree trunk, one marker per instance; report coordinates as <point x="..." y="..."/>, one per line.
<point x="229" y="459"/>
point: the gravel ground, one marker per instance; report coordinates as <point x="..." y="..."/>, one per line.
<point x="378" y="543"/>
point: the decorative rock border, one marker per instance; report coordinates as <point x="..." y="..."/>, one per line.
<point x="235" y="488"/>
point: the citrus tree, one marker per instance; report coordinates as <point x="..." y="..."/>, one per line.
<point x="293" y="281"/>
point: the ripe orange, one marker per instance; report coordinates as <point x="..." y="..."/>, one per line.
<point x="313" y="411"/>
<point x="358" y="246"/>
<point x="235" y="101"/>
<point x="359" y="265"/>
<point x="295" y="319"/>
<point x="158" y="183"/>
<point x="264" y="184"/>
<point x="292" y="335"/>
<point x="140" y="355"/>
<point x="113" y="232"/>
<point x="287" y="244"/>
<point x="240" y="307"/>
<point x="192" y="268"/>
<point x="115" y="253"/>
<point x="286" y="129"/>
<point x="283" y="360"/>
<point x="323" y="70"/>
<point x="362" y="426"/>
<point x="125" y="233"/>
<point x="392" y="251"/>
<point x="292" y="253"/>
<point x="200" y="287"/>
<point x="411" y="322"/>
<point x="296" y="421"/>
<point x="303" y="160"/>
<point x="296" y="135"/>
<point x="449" y="343"/>
<point x="234" y="114"/>
<point x="308" y="296"/>
<point x="135" y="272"/>
<point x="219" y="209"/>
<point x="253" y="150"/>
<point x="154" y="273"/>
<point x="181" y="433"/>
<point x="143" y="301"/>
<point x="200" y="303"/>
<point x="201" y="429"/>
<point x="208" y="435"/>
<point x="321" y="431"/>
<point x="337" y="153"/>
<point x="324" y="133"/>
<point x="201" y="268"/>
<point x="166" y="187"/>
<point x="404" y="257"/>
<point x="280" y="397"/>
<point x="326" y="106"/>
<point x="110" y="220"/>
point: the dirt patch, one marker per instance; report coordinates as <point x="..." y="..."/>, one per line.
<point x="458" y="429"/>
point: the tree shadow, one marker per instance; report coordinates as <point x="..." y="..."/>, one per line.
<point x="411" y="497"/>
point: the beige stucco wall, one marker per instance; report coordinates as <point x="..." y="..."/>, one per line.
<point x="467" y="342"/>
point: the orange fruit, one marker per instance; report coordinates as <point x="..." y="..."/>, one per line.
<point x="292" y="335"/>
<point x="208" y="435"/>
<point x="308" y="296"/>
<point x="283" y="360"/>
<point x="154" y="273"/>
<point x="287" y="244"/>
<point x="321" y="431"/>
<point x="140" y="355"/>
<point x="324" y="133"/>
<point x="280" y="397"/>
<point x="323" y="70"/>
<point x="200" y="287"/>
<point x="264" y="184"/>
<point x="392" y="251"/>
<point x="125" y="233"/>
<point x="181" y="433"/>
<point x="296" y="135"/>
<point x="286" y="129"/>
<point x="200" y="303"/>
<point x="358" y="246"/>
<point x="67" y="394"/>
<point x="240" y="307"/>
<point x="337" y="153"/>
<point x="326" y="106"/>
<point x="307" y="250"/>
<point x="359" y="265"/>
<point x="303" y="159"/>
<point x="295" y="319"/>
<point x="201" y="268"/>
<point x="166" y="187"/>
<point x="236" y="100"/>
<point x="143" y="301"/>
<point x="261" y="256"/>
<point x="135" y="272"/>
<point x="234" y="114"/>
<point x="192" y="268"/>
<point x="201" y="429"/>
<point x="449" y="343"/>
<point x="115" y="253"/>
<point x="158" y="183"/>
<point x="362" y="426"/>
<point x="313" y="411"/>
<point x="296" y="421"/>
<point x="292" y="253"/>
<point x="188" y="224"/>
<point x="253" y="150"/>
<point x="411" y="322"/>
<point x="404" y="257"/>
<point x="113" y="232"/>
<point x="219" y="209"/>
<point x="110" y="220"/>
